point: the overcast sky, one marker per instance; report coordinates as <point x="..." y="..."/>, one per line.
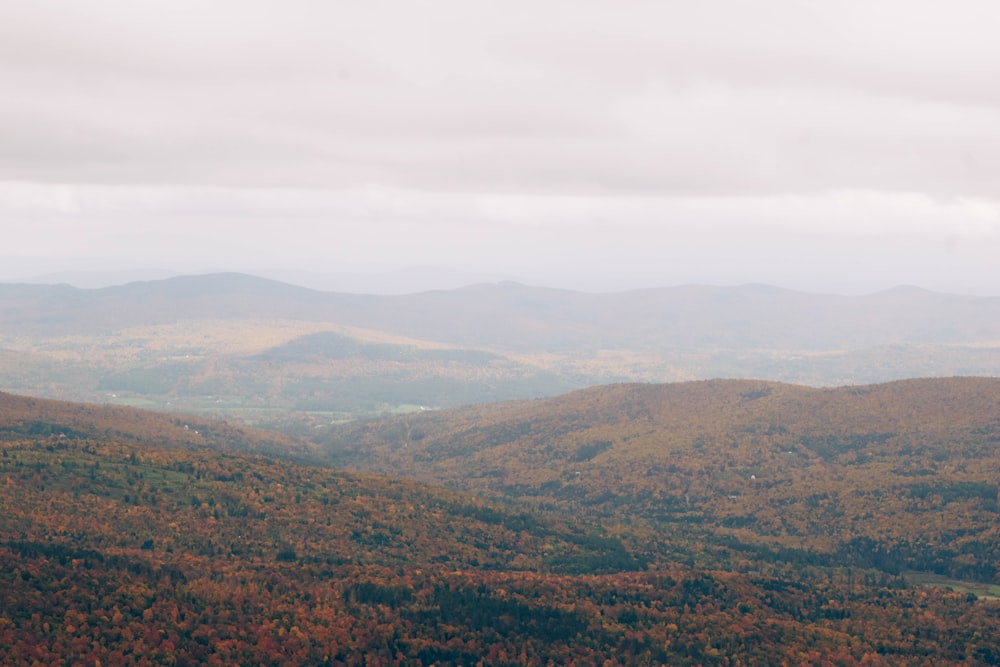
<point x="845" y="146"/>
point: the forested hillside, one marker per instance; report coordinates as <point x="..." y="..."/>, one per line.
<point x="27" y="417"/>
<point x="900" y="476"/>
<point x="125" y="539"/>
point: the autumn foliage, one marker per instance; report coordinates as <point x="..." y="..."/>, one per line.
<point x="901" y="476"/>
<point x="126" y="539"/>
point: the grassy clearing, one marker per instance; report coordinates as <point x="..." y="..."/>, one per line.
<point x="980" y="590"/>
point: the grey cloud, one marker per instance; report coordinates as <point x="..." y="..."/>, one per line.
<point x="655" y="140"/>
<point x="716" y="97"/>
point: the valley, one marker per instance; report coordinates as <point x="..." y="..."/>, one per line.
<point x="272" y="354"/>
<point x="499" y="334"/>
<point x="240" y="471"/>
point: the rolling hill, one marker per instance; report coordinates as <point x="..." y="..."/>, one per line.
<point x="899" y="476"/>
<point x="23" y="417"/>
<point x="126" y="538"/>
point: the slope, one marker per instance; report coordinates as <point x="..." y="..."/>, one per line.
<point x="23" y="417"/>
<point x="116" y="549"/>
<point x="899" y="476"/>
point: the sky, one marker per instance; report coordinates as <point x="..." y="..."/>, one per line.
<point x="842" y="147"/>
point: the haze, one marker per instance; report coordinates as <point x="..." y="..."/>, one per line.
<point x="837" y="147"/>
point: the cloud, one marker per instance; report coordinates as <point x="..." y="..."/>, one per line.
<point x="572" y="240"/>
<point x="717" y="97"/>
<point x="516" y="134"/>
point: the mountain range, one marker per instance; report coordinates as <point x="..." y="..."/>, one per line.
<point x="515" y="317"/>
<point x="246" y="346"/>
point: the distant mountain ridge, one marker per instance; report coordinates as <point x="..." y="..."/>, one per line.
<point x="235" y="342"/>
<point x="517" y="317"/>
<point x="358" y="281"/>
